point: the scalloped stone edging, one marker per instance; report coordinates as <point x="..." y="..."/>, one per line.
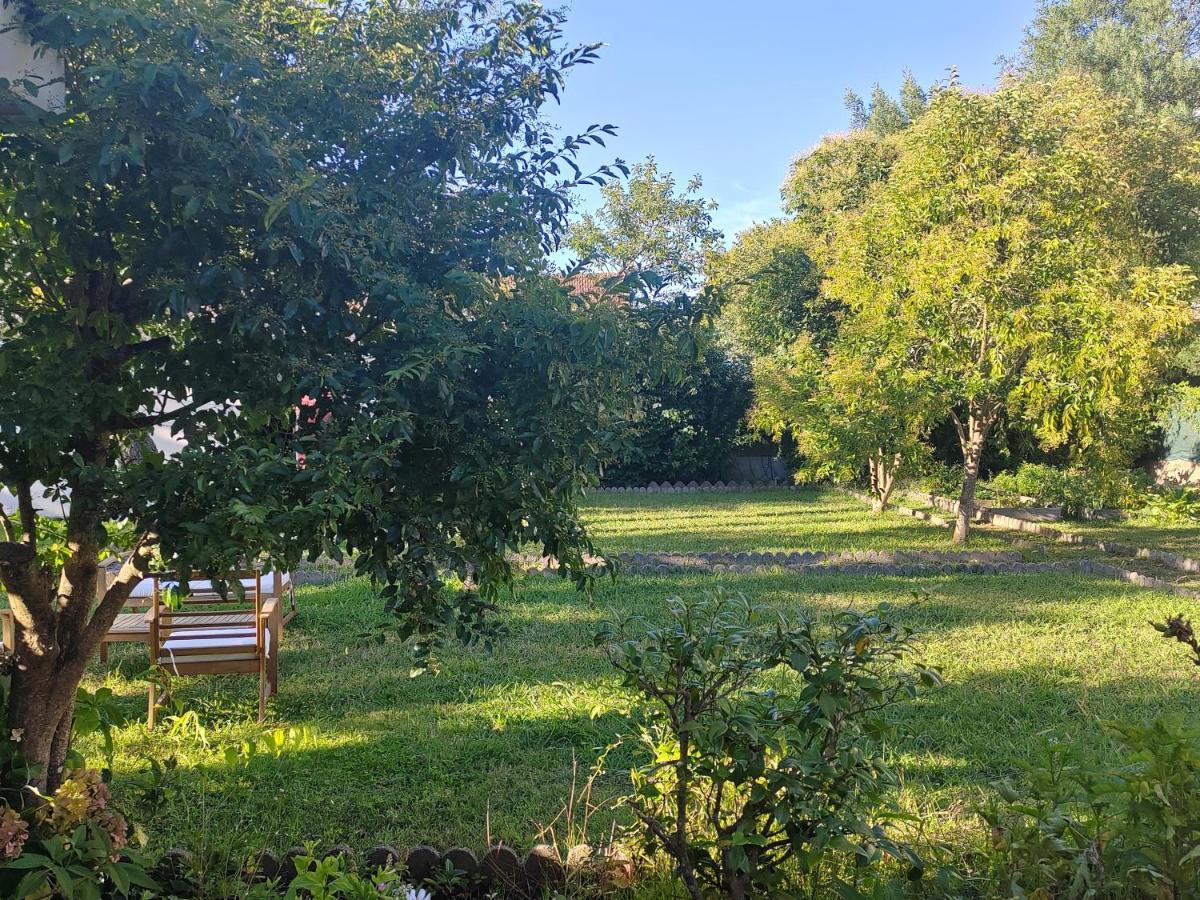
<point x="865" y="562"/>
<point x="1011" y="523"/>
<point x="500" y="868"/>
<point x="679" y="487"/>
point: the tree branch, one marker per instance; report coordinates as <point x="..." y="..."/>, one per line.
<point x="962" y="432"/>
<point x="28" y="515"/>
<point x="138" y="423"/>
<point x="134" y="570"/>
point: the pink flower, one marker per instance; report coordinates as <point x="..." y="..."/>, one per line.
<point x="13" y="832"/>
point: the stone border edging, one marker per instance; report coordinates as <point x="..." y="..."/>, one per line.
<point x="1117" y="548"/>
<point x="1089" y="566"/>
<point x="905" y="563"/>
<point x="679" y="487"/>
<point x="500" y="868"/>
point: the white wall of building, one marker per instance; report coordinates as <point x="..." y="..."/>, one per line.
<point x="20" y="61"/>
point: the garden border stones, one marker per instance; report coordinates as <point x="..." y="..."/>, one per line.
<point x="501" y="868"/>
<point x="895" y="563"/>
<point x="1012" y="523"/>
<point x="1008" y="523"/>
<point x="691" y="487"/>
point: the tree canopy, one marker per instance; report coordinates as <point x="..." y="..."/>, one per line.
<point x="309" y="237"/>
<point x="1144" y="50"/>
<point x="1011" y="252"/>
<point x="649" y="228"/>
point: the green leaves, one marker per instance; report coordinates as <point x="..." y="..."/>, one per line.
<point x="759" y="741"/>
<point x="314" y="268"/>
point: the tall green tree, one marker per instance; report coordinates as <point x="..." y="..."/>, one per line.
<point x="308" y="236"/>
<point x="1145" y="50"/>
<point x="1009" y="249"/>
<point x="651" y="230"/>
<point x="652" y="239"/>
<point x="1149" y="52"/>
<point x="857" y="406"/>
<point x="773" y="278"/>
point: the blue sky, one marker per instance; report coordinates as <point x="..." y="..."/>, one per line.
<point x="734" y="90"/>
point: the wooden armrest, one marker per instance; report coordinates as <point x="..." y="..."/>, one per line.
<point x="269" y="608"/>
<point x="8" y="630"/>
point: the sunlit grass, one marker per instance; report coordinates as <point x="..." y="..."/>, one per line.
<point x="491" y="742"/>
<point x="767" y="521"/>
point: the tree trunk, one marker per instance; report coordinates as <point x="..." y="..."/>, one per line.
<point x="57" y="632"/>
<point x="883" y="479"/>
<point x="972" y="437"/>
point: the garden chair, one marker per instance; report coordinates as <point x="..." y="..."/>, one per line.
<point x="186" y="641"/>
<point x="131" y="625"/>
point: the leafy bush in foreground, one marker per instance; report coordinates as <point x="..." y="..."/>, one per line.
<point x="1132" y="830"/>
<point x="1177" y="504"/>
<point x="740" y="779"/>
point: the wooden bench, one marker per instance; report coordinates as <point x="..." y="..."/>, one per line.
<point x="132" y="625"/>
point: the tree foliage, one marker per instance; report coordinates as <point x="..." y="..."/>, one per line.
<point x="307" y="237"/>
<point x="1010" y="251"/>
<point x="774" y="275"/>
<point x="883" y="115"/>
<point x="650" y="229"/>
<point x="688" y="426"/>
<point x="652" y="240"/>
<point x="857" y="407"/>
<point x="1144" y="50"/>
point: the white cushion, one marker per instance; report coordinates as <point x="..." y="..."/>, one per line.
<point x="145" y="587"/>
<point x="211" y="642"/>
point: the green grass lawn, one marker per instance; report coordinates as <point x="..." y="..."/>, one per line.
<point x="493" y="745"/>
<point x="766" y="521"/>
<point x="1143" y="531"/>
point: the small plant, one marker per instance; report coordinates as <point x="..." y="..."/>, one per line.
<point x="71" y="844"/>
<point x="741" y="778"/>
<point x="1073" y="489"/>
<point x="1177" y="628"/>
<point x="332" y="878"/>
<point x="939" y="478"/>
<point x="1079" y="830"/>
<point x="1177" y="504"/>
<point x="97" y="713"/>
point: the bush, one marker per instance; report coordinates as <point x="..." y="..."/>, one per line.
<point x="1174" y="504"/>
<point x="71" y="844"/>
<point x="740" y="778"/>
<point x="1072" y="489"/>
<point x="941" y="479"/>
<point x="1078" y="830"/>
<point x="690" y="428"/>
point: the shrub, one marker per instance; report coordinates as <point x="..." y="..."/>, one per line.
<point x="1174" y="504"/>
<point x="740" y="778"/>
<point x="1080" y="830"/>
<point x="939" y="478"/>
<point x="71" y="844"/>
<point x="691" y="426"/>
<point x="1072" y="489"/>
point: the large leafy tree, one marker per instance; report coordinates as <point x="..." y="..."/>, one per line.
<point x="649" y="230"/>
<point x="773" y="277"/>
<point x="1145" y="50"/>
<point x="856" y="407"/>
<point x="1149" y="52"/>
<point x="306" y="235"/>
<point x="651" y="238"/>
<point x="1010" y="251"/>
